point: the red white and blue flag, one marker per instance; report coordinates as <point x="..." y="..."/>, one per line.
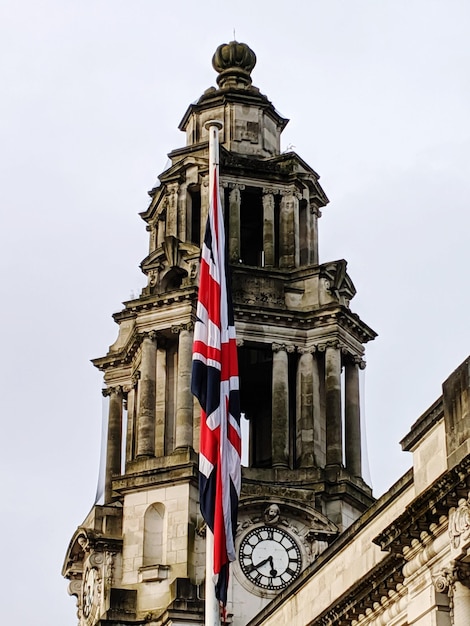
<point x="215" y="384"/>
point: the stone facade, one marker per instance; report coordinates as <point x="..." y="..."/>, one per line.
<point x="313" y="546"/>
<point x="405" y="561"/>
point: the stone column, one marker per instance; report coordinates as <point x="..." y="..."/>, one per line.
<point x="334" y="448"/>
<point x="130" y="433"/>
<point x="146" y="416"/>
<point x="286" y="232"/>
<point x="234" y="204"/>
<point x="184" y="398"/>
<point x="289" y="230"/>
<point x="114" y="439"/>
<point x="280" y="408"/>
<point x="268" y="228"/>
<point x="160" y="399"/>
<point x="305" y="408"/>
<point x="352" y="412"/>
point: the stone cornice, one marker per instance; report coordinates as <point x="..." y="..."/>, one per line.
<point x="325" y="316"/>
<point x="426" y="509"/>
<point x="365" y="595"/>
<point x="217" y="97"/>
<point x="423" y="424"/>
<point x="172" y="469"/>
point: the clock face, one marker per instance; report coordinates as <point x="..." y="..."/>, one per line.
<point x="269" y="557"/>
<point x="89" y="591"/>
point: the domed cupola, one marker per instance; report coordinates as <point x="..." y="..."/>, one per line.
<point x="252" y="126"/>
<point x="234" y="62"/>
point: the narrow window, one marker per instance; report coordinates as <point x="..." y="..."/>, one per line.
<point x="303" y="232"/>
<point x="255" y="365"/>
<point x="194" y="215"/>
<point x="251" y="227"/>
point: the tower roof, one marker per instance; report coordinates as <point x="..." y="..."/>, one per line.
<point x="234" y="62"/>
<point x="251" y="123"/>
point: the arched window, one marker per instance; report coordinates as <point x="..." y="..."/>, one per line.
<point x="153" y="534"/>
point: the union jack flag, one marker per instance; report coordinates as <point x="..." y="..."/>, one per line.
<point x="215" y="384"/>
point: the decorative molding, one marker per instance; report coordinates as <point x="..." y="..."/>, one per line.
<point x="158" y="572"/>
<point x="427" y="509"/>
<point x="282" y="347"/>
<point x="109" y="569"/>
<point x="96" y="559"/>
<point x="459" y="522"/>
<point x="107" y="391"/>
<point x="177" y="328"/>
<point x="271" y="191"/>
<point x="75" y="587"/>
<point x="446" y="579"/>
<point x="305" y="350"/>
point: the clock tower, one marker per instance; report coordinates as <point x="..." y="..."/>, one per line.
<point x="138" y="557"/>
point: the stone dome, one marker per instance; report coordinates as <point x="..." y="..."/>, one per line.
<point x="234" y="61"/>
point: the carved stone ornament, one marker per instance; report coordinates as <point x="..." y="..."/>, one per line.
<point x="234" y="62"/>
<point x="459" y="522"/>
<point x="253" y="290"/>
<point x="272" y="514"/>
<point x="177" y="328"/>
<point x="445" y="582"/>
<point x="278" y="347"/>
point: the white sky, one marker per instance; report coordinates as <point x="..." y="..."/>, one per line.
<point x="92" y="94"/>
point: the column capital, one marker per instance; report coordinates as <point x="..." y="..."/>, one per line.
<point x="357" y="360"/>
<point x="332" y="343"/>
<point x="282" y="347"/>
<point x="234" y="186"/>
<point x="306" y="350"/>
<point x="172" y="188"/>
<point x="314" y="209"/>
<point x="291" y="191"/>
<point x="271" y="191"/>
<point x="149" y="334"/>
<point x="177" y="328"/>
<point x="107" y="391"/>
<point x="458" y="572"/>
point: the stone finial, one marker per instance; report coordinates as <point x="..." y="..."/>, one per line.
<point x="234" y="62"/>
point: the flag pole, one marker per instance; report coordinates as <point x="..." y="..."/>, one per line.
<point x="212" y="609"/>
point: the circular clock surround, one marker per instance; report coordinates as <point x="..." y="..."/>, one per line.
<point x="89" y="591"/>
<point x="269" y="558"/>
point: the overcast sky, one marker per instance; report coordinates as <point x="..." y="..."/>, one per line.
<point x="92" y="93"/>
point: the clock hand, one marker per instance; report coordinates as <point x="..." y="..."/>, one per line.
<point x="260" y="564"/>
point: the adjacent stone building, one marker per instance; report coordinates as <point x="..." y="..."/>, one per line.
<point x="313" y="546"/>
